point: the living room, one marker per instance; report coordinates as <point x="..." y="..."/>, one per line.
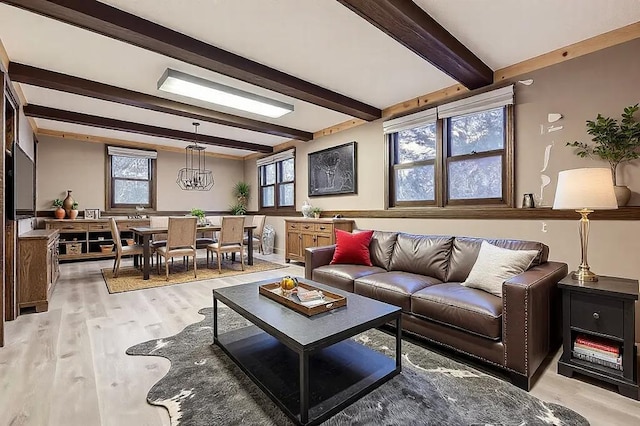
<point x="551" y="68"/>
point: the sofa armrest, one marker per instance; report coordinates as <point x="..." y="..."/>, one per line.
<point x="315" y="257"/>
<point x="531" y="315"/>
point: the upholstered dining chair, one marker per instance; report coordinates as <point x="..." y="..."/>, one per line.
<point x="121" y="251"/>
<point x="230" y="241"/>
<point x="258" y="222"/>
<point x="158" y="240"/>
<point x="181" y="242"/>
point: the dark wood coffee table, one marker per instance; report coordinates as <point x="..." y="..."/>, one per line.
<point x="307" y="365"/>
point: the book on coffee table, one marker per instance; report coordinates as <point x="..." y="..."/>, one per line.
<point x="316" y="302"/>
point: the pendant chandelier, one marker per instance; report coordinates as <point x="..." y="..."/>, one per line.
<point x="194" y="176"/>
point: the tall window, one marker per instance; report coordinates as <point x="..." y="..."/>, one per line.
<point x="131" y="178"/>
<point x="276" y="176"/>
<point x="460" y="153"/>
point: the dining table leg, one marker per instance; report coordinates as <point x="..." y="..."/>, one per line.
<point x="146" y="254"/>
<point x="250" y="246"/>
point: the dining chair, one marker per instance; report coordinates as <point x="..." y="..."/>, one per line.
<point x="158" y="240"/>
<point x="258" y="222"/>
<point x="230" y="241"/>
<point x="181" y="242"/>
<point x="121" y="251"/>
<point x="205" y="238"/>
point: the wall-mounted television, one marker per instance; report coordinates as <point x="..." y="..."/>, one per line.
<point x="25" y="184"/>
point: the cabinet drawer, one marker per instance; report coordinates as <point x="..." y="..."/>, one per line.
<point x="597" y="313"/>
<point x="69" y="226"/>
<point x="99" y="227"/>
<point x="293" y="226"/>
<point x="325" y="228"/>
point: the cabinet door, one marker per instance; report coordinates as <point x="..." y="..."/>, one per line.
<point x="323" y="240"/>
<point x="293" y="245"/>
<point x="308" y="240"/>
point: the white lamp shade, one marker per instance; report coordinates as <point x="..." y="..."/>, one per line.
<point x="590" y="188"/>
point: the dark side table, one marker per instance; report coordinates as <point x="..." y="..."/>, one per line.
<point x="604" y="309"/>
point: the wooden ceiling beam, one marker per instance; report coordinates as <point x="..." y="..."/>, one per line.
<point x="79" y="86"/>
<point x="409" y="25"/>
<point x="47" y="113"/>
<point x="127" y="143"/>
<point x="117" y="24"/>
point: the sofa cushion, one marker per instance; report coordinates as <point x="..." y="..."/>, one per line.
<point x="422" y="254"/>
<point x="352" y="248"/>
<point x="496" y="265"/>
<point x="469" y="309"/>
<point x="342" y="276"/>
<point x="465" y="252"/>
<point x="381" y="248"/>
<point x="395" y="287"/>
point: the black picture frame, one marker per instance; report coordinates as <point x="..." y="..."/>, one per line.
<point x="333" y="171"/>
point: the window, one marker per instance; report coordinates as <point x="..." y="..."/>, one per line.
<point x="276" y="176"/>
<point x="130" y="173"/>
<point x="460" y="153"/>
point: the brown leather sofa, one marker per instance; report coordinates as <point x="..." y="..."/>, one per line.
<point x="422" y="275"/>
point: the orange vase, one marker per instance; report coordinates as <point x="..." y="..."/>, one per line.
<point x="59" y="213"/>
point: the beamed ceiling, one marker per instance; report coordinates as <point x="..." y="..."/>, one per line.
<point x="91" y="68"/>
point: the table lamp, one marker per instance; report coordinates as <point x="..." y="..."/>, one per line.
<point x="585" y="190"/>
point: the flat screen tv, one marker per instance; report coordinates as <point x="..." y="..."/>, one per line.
<point x="25" y="184"/>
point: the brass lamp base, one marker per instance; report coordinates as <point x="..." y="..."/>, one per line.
<point x="584" y="275"/>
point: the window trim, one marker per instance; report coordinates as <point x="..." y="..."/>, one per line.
<point x="441" y="169"/>
<point x="277" y="160"/>
<point x="446" y="134"/>
<point x="110" y="205"/>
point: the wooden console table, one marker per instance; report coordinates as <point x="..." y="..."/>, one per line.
<point x="303" y="233"/>
<point x="85" y="236"/>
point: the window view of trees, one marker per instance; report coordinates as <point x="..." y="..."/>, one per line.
<point x="414" y="169"/>
<point x="476" y="151"/>
<point x="277" y="188"/>
<point x="130" y="181"/>
<point x="474" y="147"/>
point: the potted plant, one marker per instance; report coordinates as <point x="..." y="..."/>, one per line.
<point x="241" y="192"/>
<point x="316" y="212"/>
<point x="73" y="213"/>
<point x="199" y="214"/>
<point x="615" y="142"/>
<point x="238" y="209"/>
<point x="59" y="212"/>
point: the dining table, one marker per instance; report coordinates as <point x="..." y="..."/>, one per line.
<point x="144" y="234"/>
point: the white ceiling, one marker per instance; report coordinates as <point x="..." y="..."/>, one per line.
<point x="320" y="41"/>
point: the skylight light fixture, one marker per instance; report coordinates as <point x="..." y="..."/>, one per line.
<point x="177" y="82"/>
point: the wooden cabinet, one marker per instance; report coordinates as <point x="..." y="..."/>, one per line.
<point x="82" y="238"/>
<point x="37" y="268"/>
<point x="303" y="233"/>
<point x="603" y="312"/>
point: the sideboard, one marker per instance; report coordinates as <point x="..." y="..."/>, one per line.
<point x="82" y="238"/>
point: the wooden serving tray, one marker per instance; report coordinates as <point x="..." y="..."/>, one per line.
<point x="332" y="300"/>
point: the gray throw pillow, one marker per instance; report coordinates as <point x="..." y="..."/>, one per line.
<point x="495" y="265"/>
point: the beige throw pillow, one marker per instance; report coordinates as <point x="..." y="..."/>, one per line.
<point x="495" y="265"/>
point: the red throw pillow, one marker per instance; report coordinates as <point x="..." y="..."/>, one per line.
<point x="352" y="248"/>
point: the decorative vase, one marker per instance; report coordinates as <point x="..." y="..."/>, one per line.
<point x="623" y="194"/>
<point x="59" y="213"/>
<point x="316" y="215"/>
<point x="307" y="209"/>
<point x="68" y="202"/>
<point x="73" y="214"/>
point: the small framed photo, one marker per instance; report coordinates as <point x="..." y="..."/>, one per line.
<point x="92" y="213"/>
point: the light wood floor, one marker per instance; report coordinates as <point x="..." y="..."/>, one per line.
<point x="68" y="366"/>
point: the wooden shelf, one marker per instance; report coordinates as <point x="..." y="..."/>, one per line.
<point x="93" y="254"/>
<point x="89" y="230"/>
